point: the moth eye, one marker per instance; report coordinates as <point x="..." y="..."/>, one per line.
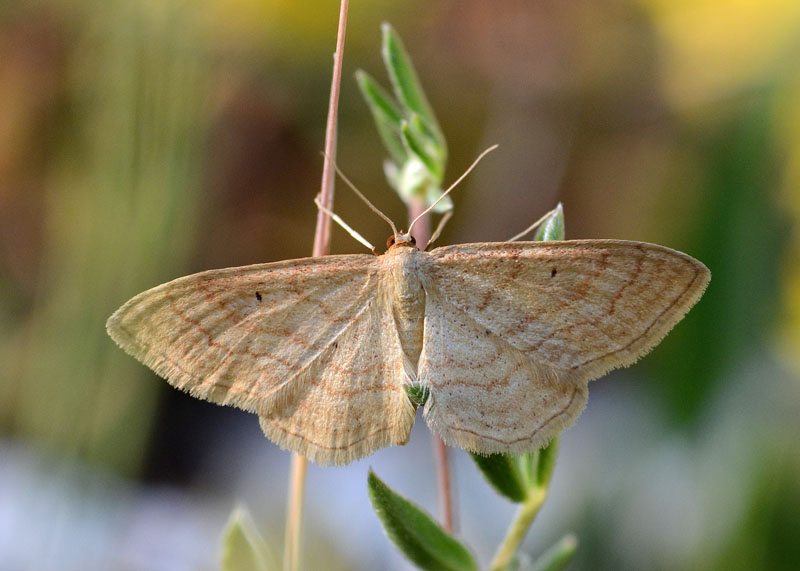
<point x="413" y="240"/>
<point x="390" y="241"/>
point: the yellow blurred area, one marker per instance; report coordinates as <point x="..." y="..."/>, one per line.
<point x="715" y="48"/>
<point x="299" y="28"/>
<point x="295" y="30"/>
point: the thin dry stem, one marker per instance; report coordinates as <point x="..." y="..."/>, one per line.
<point x="443" y="484"/>
<point x="294" y="512"/>
<point x="322" y="237"/>
<point x="323" y="233"/>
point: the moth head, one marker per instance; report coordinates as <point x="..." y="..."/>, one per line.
<point x="401" y="239"/>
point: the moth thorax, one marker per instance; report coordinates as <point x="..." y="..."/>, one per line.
<point x="408" y="299"/>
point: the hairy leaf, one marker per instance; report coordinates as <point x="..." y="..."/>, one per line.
<point x="414" y="532"/>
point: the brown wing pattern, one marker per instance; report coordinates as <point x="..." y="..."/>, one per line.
<point x="579" y="308"/>
<point x="249" y="336"/>
<point x="356" y="403"/>
<point x="486" y="395"/>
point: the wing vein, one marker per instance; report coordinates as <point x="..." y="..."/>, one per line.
<point x="646" y="332"/>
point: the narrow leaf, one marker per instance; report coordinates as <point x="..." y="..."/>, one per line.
<point x="386" y="114"/>
<point x="415" y="144"/>
<point x="418" y="394"/>
<point x="423" y="131"/>
<point x="547" y="463"/>
<point x="414" y="532"/>
<point x="503" y="472"/>
<point x="414" y="180"/>
<point x="528" y="463"/>
<point x="557" y="556"/>
<point x="375" y="94"/>
<point x="552" y="228"/>
<point x="405" y="81"/>
<point x="243" y="548"/>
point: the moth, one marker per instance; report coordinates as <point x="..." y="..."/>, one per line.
<point x="504" y="338"/>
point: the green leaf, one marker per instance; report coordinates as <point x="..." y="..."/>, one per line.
<point x="414" y="180"/>
<point x="386" y="114"/>
<point x="527" y="466"/>
<point x="414" y="532"/>
<point x="408" y="129"/>
<point x="405" y="81"/>
<point x="416" y="144"/>
<point x="376" y="95"/>
<point x="557" y="556"/>
<point x="411" y="179"/>
<point x="424" y="132"/>
<point x="551" y="228"/>
<point x="433" y="194"/>
<point x="503" y="472"/>
<point x="243" y="548"/>
<point x="418" y="394"/>
<point x="546" y="463"/>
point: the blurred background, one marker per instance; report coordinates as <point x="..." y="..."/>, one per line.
<point x="144" y="140"/>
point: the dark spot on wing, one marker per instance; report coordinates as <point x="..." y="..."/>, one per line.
<point x="553" y="272"/>
<point x="258" y="296"/>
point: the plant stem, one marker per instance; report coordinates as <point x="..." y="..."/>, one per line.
<point x="322" y="236"/>
<point x="422" y="229"/>
<point x="294" y="513"/>
<point x="443" y="483"/>
<point x="422" y="233"/>
<point x="519" y="527"/>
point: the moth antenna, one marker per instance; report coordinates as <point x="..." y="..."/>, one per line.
<point x="452" y="186"/>
<point x="439" y="228"/>
<point x="335" y="217"/>
<point x="536" y="224"/>
<point x="362" y="197"/>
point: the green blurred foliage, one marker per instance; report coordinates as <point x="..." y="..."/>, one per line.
<point x="767" y="539"/>
<point x="119" y="200"/>
<point x="741" y="238"/>
<point x="243" y="548"/>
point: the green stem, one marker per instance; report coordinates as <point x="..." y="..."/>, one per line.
<point x="519" y="527"/>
